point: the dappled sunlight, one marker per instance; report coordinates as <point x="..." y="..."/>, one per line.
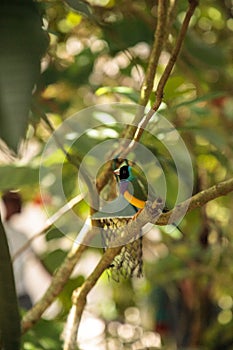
<point x="96" y="334"/>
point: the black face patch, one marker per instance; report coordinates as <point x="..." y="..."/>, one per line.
<point x="124" y="172"/>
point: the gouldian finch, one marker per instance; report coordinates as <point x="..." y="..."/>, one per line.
<point x="116" y="214"/>
<point x="132" y="186"/>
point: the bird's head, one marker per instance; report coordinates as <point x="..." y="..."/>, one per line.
<point x="124" y="173"/>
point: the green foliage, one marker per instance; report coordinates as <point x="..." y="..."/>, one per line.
<point x="22" y="43"/>
<point x="123" y="90"/>
<point x="44" y="336"/>
<point x="54" y="259"/>
<point x="54" y="233"/>
<point x="66" y="295"/>
<point x="13" y="177"/>
<point x="125" y="33"/>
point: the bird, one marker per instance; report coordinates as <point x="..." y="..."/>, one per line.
<point x="133" y="192"/>
<point x="132" y="185"/>
<point x="113" y="216"/>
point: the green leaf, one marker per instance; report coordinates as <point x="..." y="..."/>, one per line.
<point x="123" y="90"/>
<point x="22" y="43"/>
<point x="214" y="137"/>
<point x="66" y="295"/>
<point x="54" y="233"/>
<point x="9" y="316"/>
<point x="13" y="177"/>
<point x="54" y="259"/>
<point x="81" y="7"/>
<point x="211" y="55"/>
<point x="127" y="32"/>
<point x="45" y="335"/>
<point x="207" y="97"/>
<point x="170" y="90"/>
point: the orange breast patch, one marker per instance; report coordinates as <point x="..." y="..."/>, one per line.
<point x="133" y="200"/>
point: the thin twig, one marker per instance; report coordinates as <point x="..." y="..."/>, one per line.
<point x="49" y="223"/>
<point x="163" y="80"/>
<point x="57" y="284"/>
<point x="157" y="47"/>
<point x="160" y="36"/>
<point x="180" y="39"/>
<point x="147" y="86"/>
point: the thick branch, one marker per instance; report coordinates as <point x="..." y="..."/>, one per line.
<point x="147" y="86"/>
<point x="79" y="299"/>
<point x="160" y="36"/>
<point x="197" y="201"/>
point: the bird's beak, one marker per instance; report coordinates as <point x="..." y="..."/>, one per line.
<point x="117" y="172"/>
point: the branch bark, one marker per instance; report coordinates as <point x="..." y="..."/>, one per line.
<point x="198" y="200"/>
<point x="175" y="53"/>
<point x="58" y="282"/>
<point x="158" y="44"/>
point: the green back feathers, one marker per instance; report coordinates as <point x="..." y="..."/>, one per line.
<point x="139" y="185"/>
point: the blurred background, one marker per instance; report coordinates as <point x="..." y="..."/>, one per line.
<point x="97" y="52"/>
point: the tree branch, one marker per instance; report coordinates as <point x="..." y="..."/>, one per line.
<point x="151" y="210"/>
<point x="159" y="39"/>
<point x="79" y="299"/>
<point x="197" y="201"/>
<point x="134" y="132"/>
<point x="163" y="80"/>
<point x="63" y="273"/>
<point x="160" y="36"/>
<point x="59" y="280"/>
<point x="158" y="44"/>
<point x="175" y="53"/>
<point x="151" y="213"/>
